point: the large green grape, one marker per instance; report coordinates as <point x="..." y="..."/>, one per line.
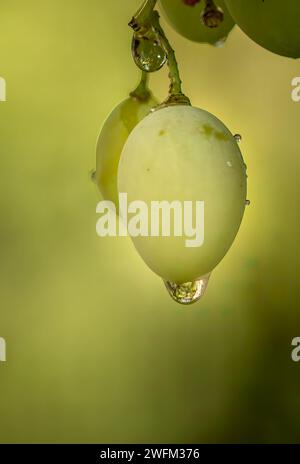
<point x="186" y="20"/>
<point x="111" y="140"/>
<point x="273" y="24"/>
<point x="185" y="154"/>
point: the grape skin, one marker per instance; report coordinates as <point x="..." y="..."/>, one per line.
<point x="186" y="154"/>
<point x="273" y="24"/>
<point x="112" y="138"/>
<point x="186" y="20"/>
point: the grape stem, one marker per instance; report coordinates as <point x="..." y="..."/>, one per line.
<point x="144" y="19"/>
<point x="142" y="91"/>
<point x="175" y="92"/>
<point x="212" y="16"/>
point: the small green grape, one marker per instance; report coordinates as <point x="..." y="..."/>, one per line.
<point x="187" y="20"/>
<point x="181" y="153"/>
<point x="273" y="24"/>
<point x="113" y="135"/>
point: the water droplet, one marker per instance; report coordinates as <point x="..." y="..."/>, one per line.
<point x="147" y="52"/>
<point x="248" y="202"/>
<point x="93" y="175"/>
<point x="238" y="138"/>
<point x="221" y="42"/>
<point x="189" y="292"/>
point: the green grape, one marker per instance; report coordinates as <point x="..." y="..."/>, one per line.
<point x="187" y="21"/>
<point x="111" y="140"/>
<point x="181" y="153"/>
<point x="273" y="24"/>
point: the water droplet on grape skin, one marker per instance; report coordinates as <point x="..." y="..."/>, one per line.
<point x="189" y="292"/>
<point x="238" y="138"/>
<point x="147" y="52"/>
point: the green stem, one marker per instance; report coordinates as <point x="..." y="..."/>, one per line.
<point x="142" y="91"/>
<point x="142" y="18"/>
<point x="175" y="92"/>
<point x="142" y="21"/>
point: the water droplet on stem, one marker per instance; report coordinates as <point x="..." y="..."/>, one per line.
<point x="147" y="52"/>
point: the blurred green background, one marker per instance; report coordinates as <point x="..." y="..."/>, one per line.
<point x="96" y="349"/>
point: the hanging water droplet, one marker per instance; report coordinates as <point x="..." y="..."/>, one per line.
<point x="221" y="42"/>
<point x="93" y="175"/>
<point x="238" y="138"/>
<point x="248" y="202"/>
<point x="147" y="52"/>
<point x="189" y="292"/>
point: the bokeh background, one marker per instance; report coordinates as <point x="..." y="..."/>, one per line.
<point x="96" y="349"/>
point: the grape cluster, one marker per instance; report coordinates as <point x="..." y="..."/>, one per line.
<point x="175" y="152"/>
